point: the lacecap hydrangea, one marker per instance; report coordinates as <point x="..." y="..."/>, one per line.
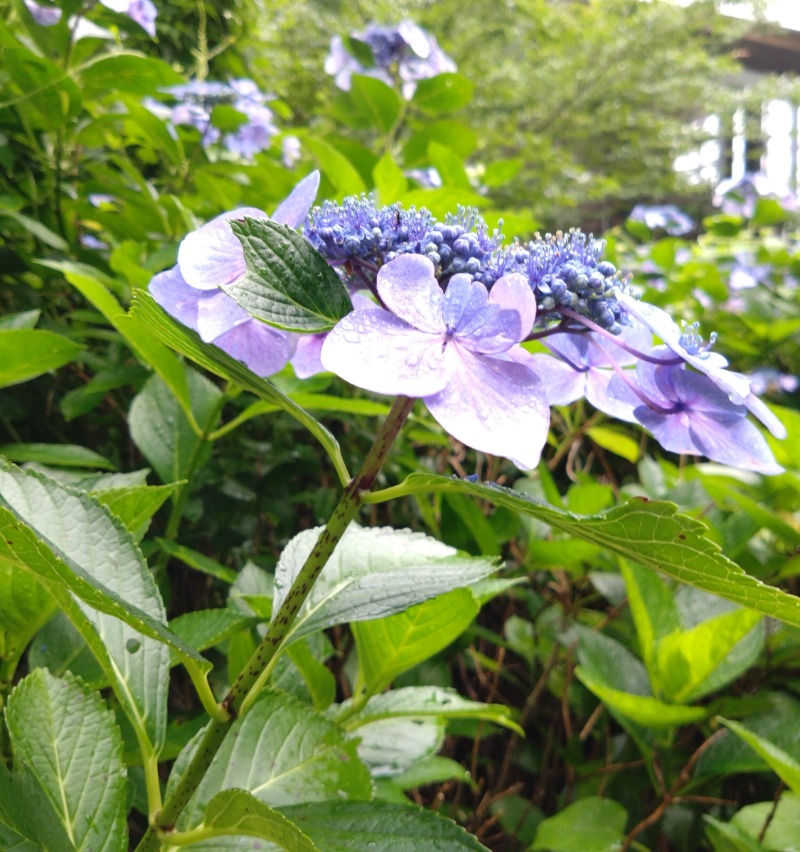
<point x="441" y="311"/>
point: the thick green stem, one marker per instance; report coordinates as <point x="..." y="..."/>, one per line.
<point x="244" y="690"/>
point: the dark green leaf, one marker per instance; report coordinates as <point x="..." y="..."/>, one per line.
<point x="287" y="284"/>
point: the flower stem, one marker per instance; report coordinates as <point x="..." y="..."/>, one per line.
<point x="246" y="687"/>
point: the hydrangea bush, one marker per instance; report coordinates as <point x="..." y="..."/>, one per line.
<point x="291" y="632"/>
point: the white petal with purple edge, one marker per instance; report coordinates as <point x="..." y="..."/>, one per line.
<point x="212" y="255"/>
<point x="294" y="208"/>
<point x="493" y="405"/>
<point x="263" y="349"/>
<point x="513" y="292"/>
<point x="374" y="350"/>
<point x="410" y="290"/>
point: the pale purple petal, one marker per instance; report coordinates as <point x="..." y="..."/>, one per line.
<point x="562" y="383"/>
<point x="617" y="399"/>
<point x="410" y="290"/>
<point x="465" y="303"/>
<point x="759" y="410"/>
<point x="212" y="255"/>
<point x="377" y="351"/>
<point x="217" y="313"/>
<point x="573" y="348"/>
<point x="307" y="359"/>
<point x="265" y="350"/>
<point x="636" y="335"/>
<point x="293" y="210"/>
<point x="493" y="405"/>
<point x="711" y="364"/>
<point x="513" y="292"/>
<point x="176" y="297"/>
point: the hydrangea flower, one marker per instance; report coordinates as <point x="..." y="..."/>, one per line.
<point x="665" y="217"/>
<point x="456" y="349"/>
<point x="196" y="100"/>
<point x="697" y="418"/>
<point x="406" y="51"/>
<point x="142" y="12"/>
<point x="212" y="256"/>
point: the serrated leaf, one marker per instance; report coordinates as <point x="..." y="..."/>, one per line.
<point x="198" y="561"/>
<point x="164" y="434"/>
<point x="348" y="826"/>
<point x="125" y="71"/>
<point x="148" y="314"/>
<point x="58" y="455"/>
<point x="28" y="821"/>
<point x="389" y="646"/>
<point x="237" y="812"/>
<point x="74" y="545"/>
<point x="421" y="701"/>
<point x="785" y="766"/>
<point x="287" y="283"/>
<point x="373" y="573"/>
<point x="651" y="532"/>
<point x="205" y="628"/>
<point x="135" y="506"/>
<point x="64" y="734"/>
<point x="28" y="352"/>
<point x="432" y="770"/>
<point x="282" y="752"/>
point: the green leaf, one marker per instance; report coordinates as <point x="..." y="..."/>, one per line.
<point x="198" y="561"/>
<point x="686" y="659"/>
<point x="162" y="432"/>
<point x="421" y="701"/>
<point x="616" y="441"/>
<point x="148" y="314"/>
<point x="237" y="812"/>
<point x="588" y="825"/>
<point x="26" y="353"/>
<point x="23" y="319"/>
<point x="785" y="766"/>
<point x="651" y="532"/>
<point x="373" y="573"/>
<point x="391" y="746"/>
<point x="95" y="289"/>
<point x="783" y="827"/>
<point x="443" y="93"/>
<point x="282" y="752"/>
<point x="287" y="283"/>
<point x="58" y="455"/>
<point x="204" y="628"/>
<point x="319" y="679"/>
<point x="347" y="826"/>
<point x="77" y="547"/>
<point x="389" y="646"/>
<point x="431" y="770"/>
<point x="135" y="506"/>
<point x="390" y="182"/>
<point x="125" y="71"/>
<point x="449" y="165"/>
<point x="642" y="709"/>
<point x="652" y="607"/>
<point x="35" y="227"/>
<point x="336" y="167"/>
<point x="725" y="837"/>
<point x="64" y="734"/>
<point x="48" y="95"/>
<point x="28" y="820"/>
<point x="378" y="104"/>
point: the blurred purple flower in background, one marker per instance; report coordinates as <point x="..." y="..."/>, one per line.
<point x="405" y="52"/>
<point x="738" y="196"/>
<point x="196" y="101"/>
<point x="664" y="217"/>
<point x="142" y="12"/>
<point x="45" y="16"/>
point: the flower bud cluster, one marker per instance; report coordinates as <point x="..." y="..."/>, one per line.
<point x="562" y="269"/>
